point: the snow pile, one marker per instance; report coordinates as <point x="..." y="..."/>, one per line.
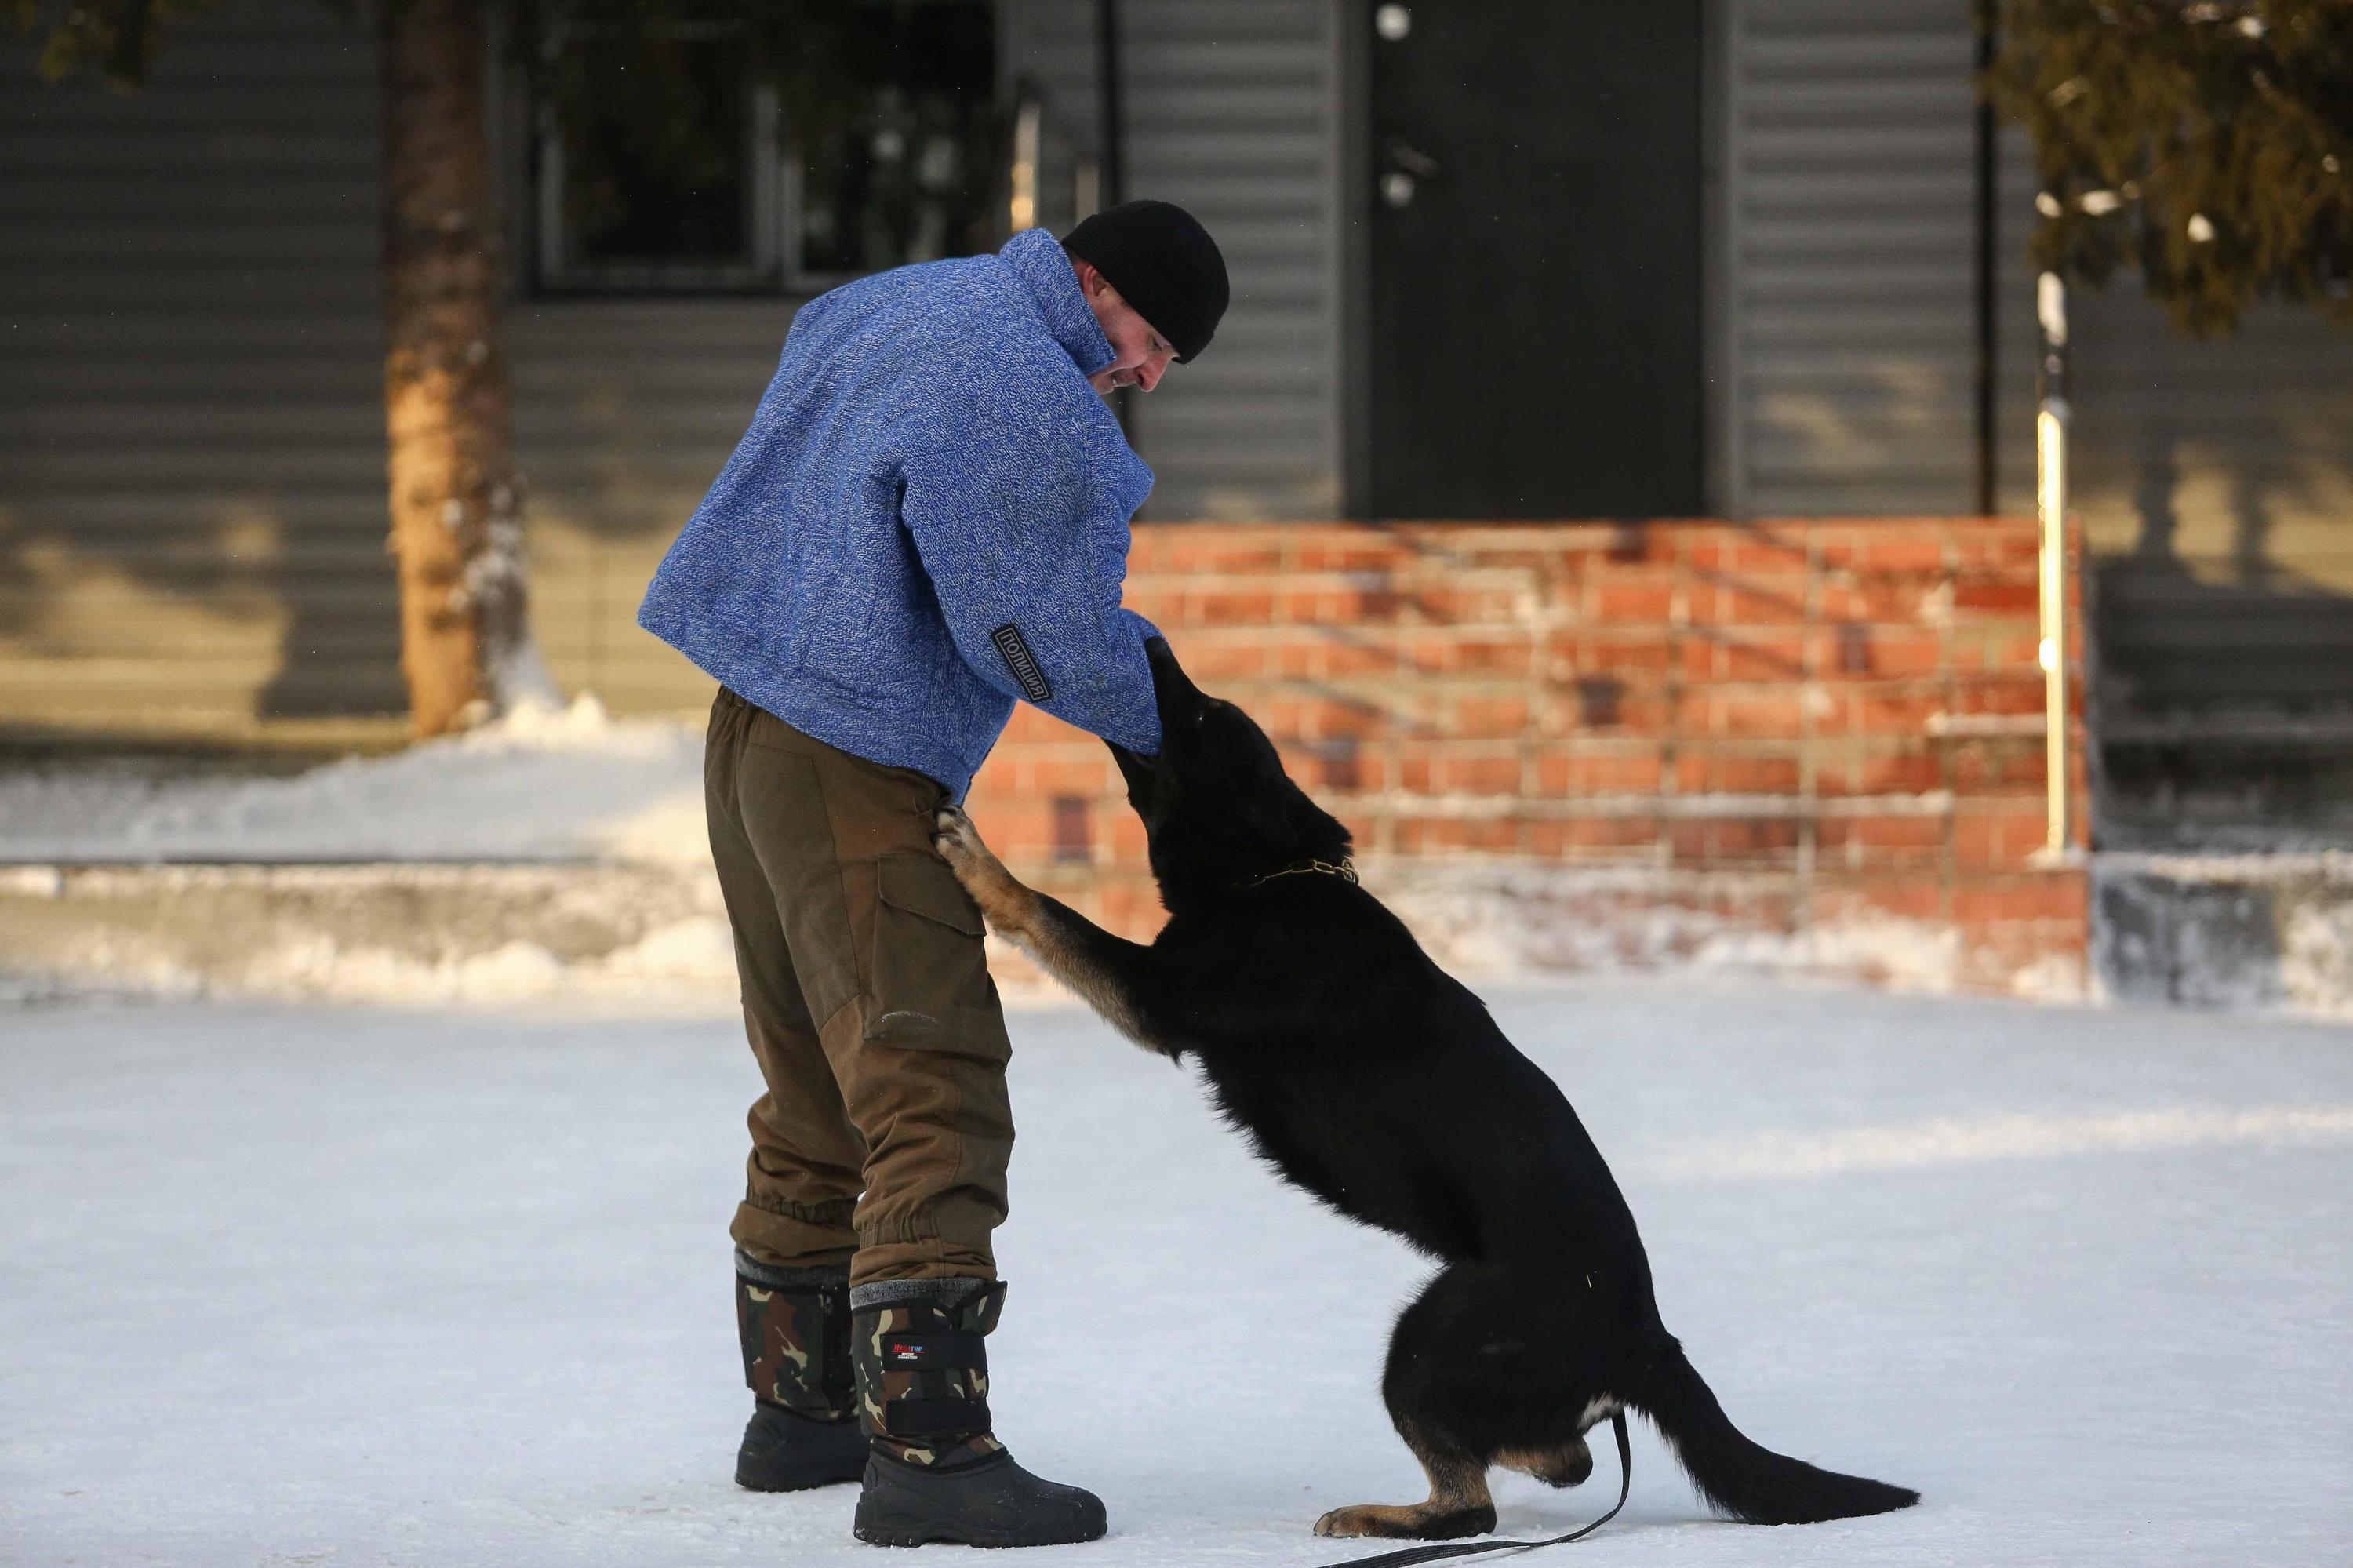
<point x="403" y="932"/>
<point x="540" y="784"/>
<point x="336" y="1285"/>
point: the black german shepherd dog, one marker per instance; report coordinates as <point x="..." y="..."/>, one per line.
<point x="1364" y="1074"/>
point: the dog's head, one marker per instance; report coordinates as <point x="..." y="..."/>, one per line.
<point x="1218" y="808"/>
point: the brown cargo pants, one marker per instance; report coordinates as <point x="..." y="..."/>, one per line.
<point x="869" y="1004"/>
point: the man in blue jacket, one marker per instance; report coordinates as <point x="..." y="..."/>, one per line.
<point x="927" y="520"/>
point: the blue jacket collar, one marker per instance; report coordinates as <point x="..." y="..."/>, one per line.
<point x="1039" y="259"/>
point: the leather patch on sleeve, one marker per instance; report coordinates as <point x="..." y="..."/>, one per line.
<point x="1017" y="657"/>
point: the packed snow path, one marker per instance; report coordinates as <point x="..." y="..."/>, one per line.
<point x="339" y="1286"/>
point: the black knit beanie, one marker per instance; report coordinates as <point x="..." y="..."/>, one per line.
<point x="1162" y="263"/>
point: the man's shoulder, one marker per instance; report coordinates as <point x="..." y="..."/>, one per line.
<point x="974" y="286"/>
<point x="954" y="322"/>
<point x="959" y="353"/>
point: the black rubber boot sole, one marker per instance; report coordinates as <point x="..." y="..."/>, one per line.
<point x="993" y="1503"/>
<point x="787" y="1452"/>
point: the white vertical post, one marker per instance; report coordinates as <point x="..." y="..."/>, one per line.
<point x="2051" y="420"/>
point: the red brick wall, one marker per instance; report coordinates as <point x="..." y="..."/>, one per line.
<point x="1826" y="736"/>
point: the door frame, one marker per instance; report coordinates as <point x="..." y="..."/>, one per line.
<point x="1353" y="123"/>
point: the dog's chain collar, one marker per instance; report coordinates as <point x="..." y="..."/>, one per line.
<point x="1344" y="870"/>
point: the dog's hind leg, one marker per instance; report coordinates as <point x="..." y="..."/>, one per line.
<point x="1458" y="1503"/>
<point x="1564" y="1465"/>
<point x="1436" y="1384"/>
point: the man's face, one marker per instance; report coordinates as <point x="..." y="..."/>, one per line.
<point x="1140" y="356"/>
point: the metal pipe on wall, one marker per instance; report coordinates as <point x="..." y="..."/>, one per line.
<point x="1113" y="176"/>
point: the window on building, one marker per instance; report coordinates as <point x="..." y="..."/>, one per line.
<point x="672" y="158"/>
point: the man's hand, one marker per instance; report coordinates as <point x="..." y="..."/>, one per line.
<point x="1009" y="907"/>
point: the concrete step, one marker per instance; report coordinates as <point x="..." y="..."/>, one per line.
<point x="2271" y="933"/>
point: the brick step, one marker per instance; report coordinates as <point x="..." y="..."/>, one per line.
<point x="1567" y="770"/>
<point x="1371" y="613"/>
<point x="1404" y="662"/>
<point x="1931" y="833"/>
<point x="1608" y="714"/>
<point x="1877" y="544"/>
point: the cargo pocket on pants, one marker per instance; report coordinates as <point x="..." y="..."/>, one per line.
<point x="931" y="986"/>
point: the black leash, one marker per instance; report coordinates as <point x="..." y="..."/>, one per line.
<point x="1465" y="1547"/>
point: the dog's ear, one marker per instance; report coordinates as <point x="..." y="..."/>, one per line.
<point x="1282" y="818"/>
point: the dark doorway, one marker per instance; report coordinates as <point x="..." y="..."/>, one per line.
<point x="1533" y="282"/>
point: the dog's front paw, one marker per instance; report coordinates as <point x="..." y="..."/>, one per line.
<point x="1365" y="1518"/>
<point x="959" y="843"/>
<point x="1000" y="897"/>
<point x="1343" y="1521"/>
<point x="1422" y="1522"/>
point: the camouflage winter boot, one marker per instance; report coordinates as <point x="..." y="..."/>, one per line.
<point x="794" y="1324"/>
<point x="937" y="1473"/>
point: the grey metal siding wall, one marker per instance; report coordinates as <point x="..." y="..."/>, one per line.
<point x="191" y="443"/>
<point x="1048" y="47"/>
<point x="1846" y="357"/>
<point x="192" y="504"/>
<point x="2215" y="482"/>
<point x="2017" y="336"/>
<point x="625" y="411"/>
<point x="1232" y="110"/>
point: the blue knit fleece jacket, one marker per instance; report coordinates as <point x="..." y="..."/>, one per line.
<point x="927" y="520"/>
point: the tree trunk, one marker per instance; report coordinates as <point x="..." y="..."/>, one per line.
<point x="465" y="639"/>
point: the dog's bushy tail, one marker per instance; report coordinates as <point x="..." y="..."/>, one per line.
<point x="1741" y="1478"/>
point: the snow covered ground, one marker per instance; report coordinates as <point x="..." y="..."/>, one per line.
<point x="339" y="1286"/>
<point x="538" y="785"/>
